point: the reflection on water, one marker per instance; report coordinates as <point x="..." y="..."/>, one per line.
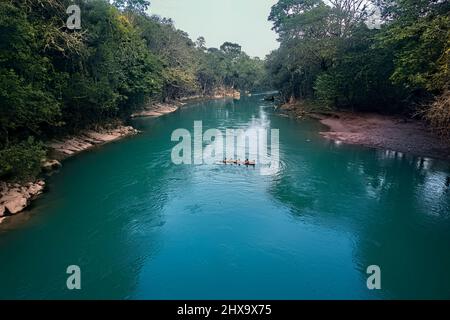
<point x="141" y="227"/>
<point x="395" y="206"/>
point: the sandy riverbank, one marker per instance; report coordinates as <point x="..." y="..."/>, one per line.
<point x="386" y="132"/>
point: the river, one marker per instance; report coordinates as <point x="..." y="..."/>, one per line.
<point x="141" y="227"/>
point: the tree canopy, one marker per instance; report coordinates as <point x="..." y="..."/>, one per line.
<point x="331" y="53"/>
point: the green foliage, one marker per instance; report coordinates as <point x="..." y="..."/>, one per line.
<point x="232" y="50"/>
<point x="27" y="95"/>
<point x="115" y="71"/>
<point x="21" y="161"/>
<point x="328" y="53"/>
<point x="132" y="5"/>
<point x="421" y="47"/>
<point x="357" y="76"/>
<point x="190" y="68"/>
<point x="54" y="80"/>
<point x="295" y="19"/>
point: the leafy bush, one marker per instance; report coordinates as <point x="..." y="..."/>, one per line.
<point x="22" y="161"/>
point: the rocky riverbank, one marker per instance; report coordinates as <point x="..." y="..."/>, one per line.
<point x="14" y="197"/>
<point x="72" y="145"/>
<point x="158" y="109"/>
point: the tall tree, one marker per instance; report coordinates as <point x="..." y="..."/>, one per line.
<point x="132" y="5"/>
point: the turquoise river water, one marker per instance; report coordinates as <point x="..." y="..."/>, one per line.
<point x="141" y="227"/>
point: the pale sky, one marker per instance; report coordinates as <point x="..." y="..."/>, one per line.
<point x="241" y="21"/>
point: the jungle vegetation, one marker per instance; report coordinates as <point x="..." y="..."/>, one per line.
<point x="55" y="80"/>
<point x="389" y="56"/>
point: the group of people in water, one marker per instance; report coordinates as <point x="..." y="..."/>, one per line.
<point x="239" y="162"/>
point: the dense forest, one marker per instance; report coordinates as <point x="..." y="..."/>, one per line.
<point x="388" y="56"/>
<point x="55" y="80"/>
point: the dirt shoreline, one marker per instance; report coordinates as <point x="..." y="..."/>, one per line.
<point x="385" y="132"/>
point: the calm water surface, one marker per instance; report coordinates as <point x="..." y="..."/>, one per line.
<point x="140" y="227"/>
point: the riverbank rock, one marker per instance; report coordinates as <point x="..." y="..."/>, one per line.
<point x="15" y="202"/>
<point x="88" y="139"/>
<point x="226" y="93"/>
<point x="156" y="110"/>
<point x="15" y="198"/>
<point x="50" y="165"/>
<point x="191" y="98"/>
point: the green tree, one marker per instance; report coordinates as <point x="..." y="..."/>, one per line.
<point x="328" y="52"/>
<point x="22" y="161"/>
<point x="132" y="5"/>
<point x="420" y="39"/>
